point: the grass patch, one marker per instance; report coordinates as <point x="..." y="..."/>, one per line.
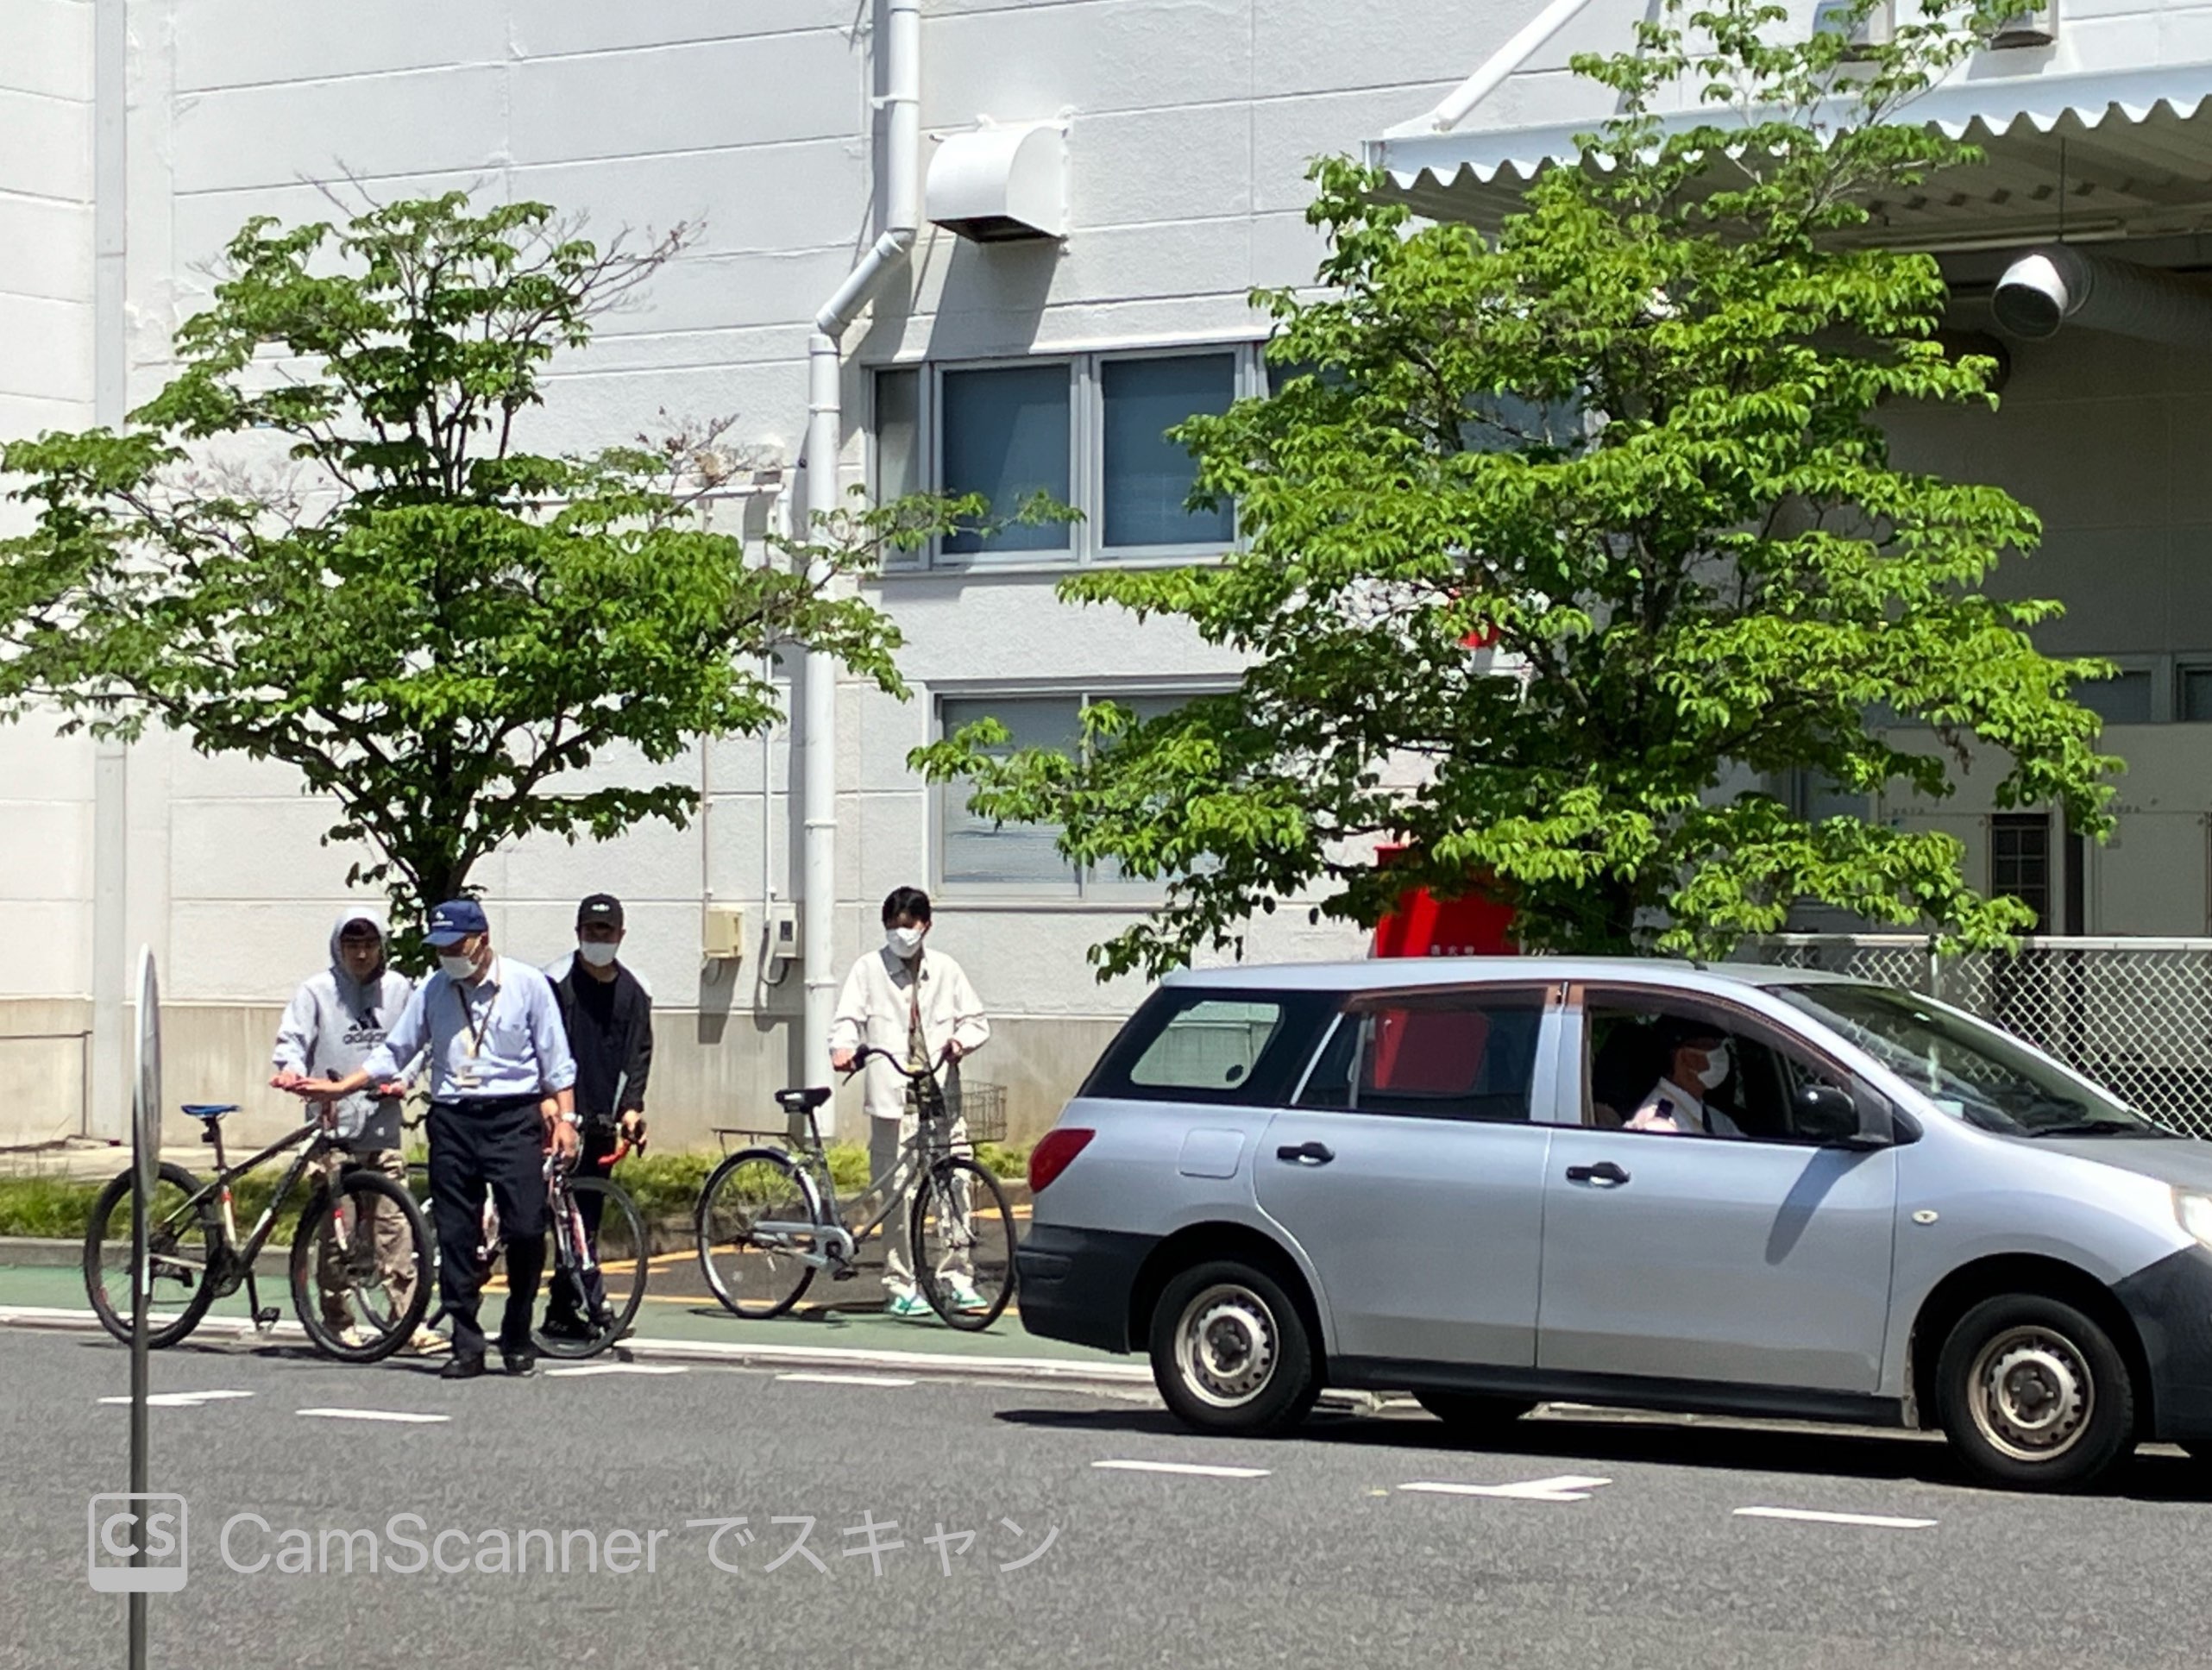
<point x="51" y="1207"/>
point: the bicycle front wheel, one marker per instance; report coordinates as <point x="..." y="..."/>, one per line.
<point x="360" y="1268"/>
<point x="757" y="1222"/>
<point x="963" y="1232"/>
<point x="184" y="1245"/>
<point x="595" y="1263"/>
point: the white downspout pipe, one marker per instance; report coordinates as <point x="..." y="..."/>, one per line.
<point x="1502" y="63"/>
<point x="900" y="186"/>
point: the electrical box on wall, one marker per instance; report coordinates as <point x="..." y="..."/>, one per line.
<point x="722" y="933"/>
<point x="782" y="933"/>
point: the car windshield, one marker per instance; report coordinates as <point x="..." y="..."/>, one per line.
<point x="1966" y="1067"/>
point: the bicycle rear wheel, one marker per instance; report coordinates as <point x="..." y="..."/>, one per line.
<point x="963" y="1239"/>
<point x="596" y="1269"/>
<point x="757" y="1217"/>
<point x="360" y="1268"/>
<point x="184" y="1240"/>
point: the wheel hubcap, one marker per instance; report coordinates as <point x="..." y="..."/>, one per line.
<point x="1225" y="1345"/>
<point x="2032" y="1393"/>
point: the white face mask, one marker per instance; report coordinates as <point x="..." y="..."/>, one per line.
<point x="456" y="967"/>
<point x="597" y="952"/>
<point x="1717" y="1063"/>
<point x="905" y="943"/>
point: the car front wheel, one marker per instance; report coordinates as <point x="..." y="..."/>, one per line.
<point x="1230" y="1352"/>
<point x="2034" y="1395"/>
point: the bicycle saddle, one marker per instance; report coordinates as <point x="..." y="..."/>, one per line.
<point x="209" y="1109"/>
<point x="799" y="1101"/>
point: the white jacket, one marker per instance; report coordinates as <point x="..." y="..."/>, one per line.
<point x="872" y="1009"/>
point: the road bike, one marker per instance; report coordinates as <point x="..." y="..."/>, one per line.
<point x="769" y="1218"/>
<point x="597" y="1257"/>
<point x="360" y="1256"/>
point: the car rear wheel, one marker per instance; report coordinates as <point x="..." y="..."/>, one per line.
<point x="1230" y="1352"/>
<point x="1472" y="1416"/>
<point x="2034" y="1395"/>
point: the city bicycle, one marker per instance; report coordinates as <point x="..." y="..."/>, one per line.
<point x="769" y="1218"/>
<point x="597" y="1255"/>
<point x="360" y="1256"/>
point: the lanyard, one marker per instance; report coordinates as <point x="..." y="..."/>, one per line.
<point x="475" y="1029"/>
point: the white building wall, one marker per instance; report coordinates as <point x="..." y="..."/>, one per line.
<point x="1189" y="126"/>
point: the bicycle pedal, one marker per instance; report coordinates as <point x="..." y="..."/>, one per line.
<point x="844" y="1272"/>
<point x="266" y="1318"/>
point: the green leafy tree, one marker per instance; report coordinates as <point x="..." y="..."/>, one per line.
<point x="323" y="542"/>
<point x="1628" y="446"/>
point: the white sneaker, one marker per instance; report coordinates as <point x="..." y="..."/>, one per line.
<point x="428" y="1343"/>
<point x="354" y="1337"/>
<point x="908" y="1307"/>
<point x="966" y="1298"/>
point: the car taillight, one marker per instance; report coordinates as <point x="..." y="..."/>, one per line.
<point x="1051" y="1154"/>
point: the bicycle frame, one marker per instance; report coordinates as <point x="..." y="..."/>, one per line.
<point x="931" y="1141"/>
<point x="233" y="1263"/>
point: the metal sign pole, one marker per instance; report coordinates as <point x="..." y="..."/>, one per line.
<point x="146" y="1152"/>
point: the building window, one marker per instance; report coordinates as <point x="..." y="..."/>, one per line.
<point x="1089" y="432"/>
<point x="1004" y="434"/>
<point x="2196" y="692"/>
<point x="974" y="855"/>
<point x="2123" y="699"/>
<point x="2020" y="862"/>
<point x="1146" y="477"/>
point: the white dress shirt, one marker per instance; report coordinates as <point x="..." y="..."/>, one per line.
<point x="1689" y="1113"/>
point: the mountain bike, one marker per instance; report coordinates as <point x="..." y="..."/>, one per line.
<point x="596" y="1263"/>
<point x="769" y="1217"/>
<point x="358" y="1300"/>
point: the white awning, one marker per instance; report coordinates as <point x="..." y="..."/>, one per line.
<point x="2131" y="152"/>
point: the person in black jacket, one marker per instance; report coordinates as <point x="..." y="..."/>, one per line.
<point x="609" y="1017"/>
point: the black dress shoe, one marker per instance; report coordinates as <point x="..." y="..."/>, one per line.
<point x="463" y="1368"/>
<point x="518" y="1362"/>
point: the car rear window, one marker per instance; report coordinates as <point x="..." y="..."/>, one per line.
<point x="1188" y="1044"/>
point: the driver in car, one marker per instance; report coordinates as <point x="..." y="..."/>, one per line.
<point x="1698" y="1062"/>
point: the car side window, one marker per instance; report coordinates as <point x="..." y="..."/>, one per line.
<point x="1687" y="1068"/>
<point x="1445" y="1055"/>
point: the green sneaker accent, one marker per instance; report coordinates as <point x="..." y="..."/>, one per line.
<point x="907" y="1307"/>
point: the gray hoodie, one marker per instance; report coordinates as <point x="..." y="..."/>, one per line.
<point x="331" y="1025"/>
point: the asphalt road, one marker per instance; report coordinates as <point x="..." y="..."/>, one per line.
<point x="1324" y="1558"/>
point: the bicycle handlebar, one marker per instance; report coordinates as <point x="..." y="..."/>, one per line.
<point x="860" y="1057"/>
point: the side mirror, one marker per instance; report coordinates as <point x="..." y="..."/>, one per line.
<point x="1830" y="1117"/>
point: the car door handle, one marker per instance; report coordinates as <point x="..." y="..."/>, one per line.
<point x="1604" y="1172"/>
<point x="1305" y="1153"/>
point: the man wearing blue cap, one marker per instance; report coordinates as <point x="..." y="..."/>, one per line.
<point x="502" y="1092"/>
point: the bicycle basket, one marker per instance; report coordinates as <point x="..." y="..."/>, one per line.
<point x="983" y="1106"/>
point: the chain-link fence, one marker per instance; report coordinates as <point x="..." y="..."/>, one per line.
<point x="2134" y="1014"/>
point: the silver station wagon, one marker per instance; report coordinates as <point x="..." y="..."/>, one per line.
<point x="1726" y="1189"/>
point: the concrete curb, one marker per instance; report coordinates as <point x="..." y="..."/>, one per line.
<point x="920" y="1364"/>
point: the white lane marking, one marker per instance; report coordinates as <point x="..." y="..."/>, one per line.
<point x="848" y="1379"/>
<point x="1191" y="1467"/>
<point x="1568" y="1487"/>
<point x="374" y="1415"/>
<point x="621" y="1368"/>
<point x="180" y="1399"/>
<point x="1879" y="1521"/>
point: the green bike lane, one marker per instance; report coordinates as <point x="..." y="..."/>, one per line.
<point x="41" y="1285"/>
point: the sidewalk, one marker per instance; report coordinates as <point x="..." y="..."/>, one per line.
<point x="674" y="1325"/>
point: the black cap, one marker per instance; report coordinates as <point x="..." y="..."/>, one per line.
<point x="602" y="908"/>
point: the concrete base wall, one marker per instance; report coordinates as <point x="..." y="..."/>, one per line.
<point x="708" y="1070"/>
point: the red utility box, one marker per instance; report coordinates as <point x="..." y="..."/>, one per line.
<point x="1424" y="925"/>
